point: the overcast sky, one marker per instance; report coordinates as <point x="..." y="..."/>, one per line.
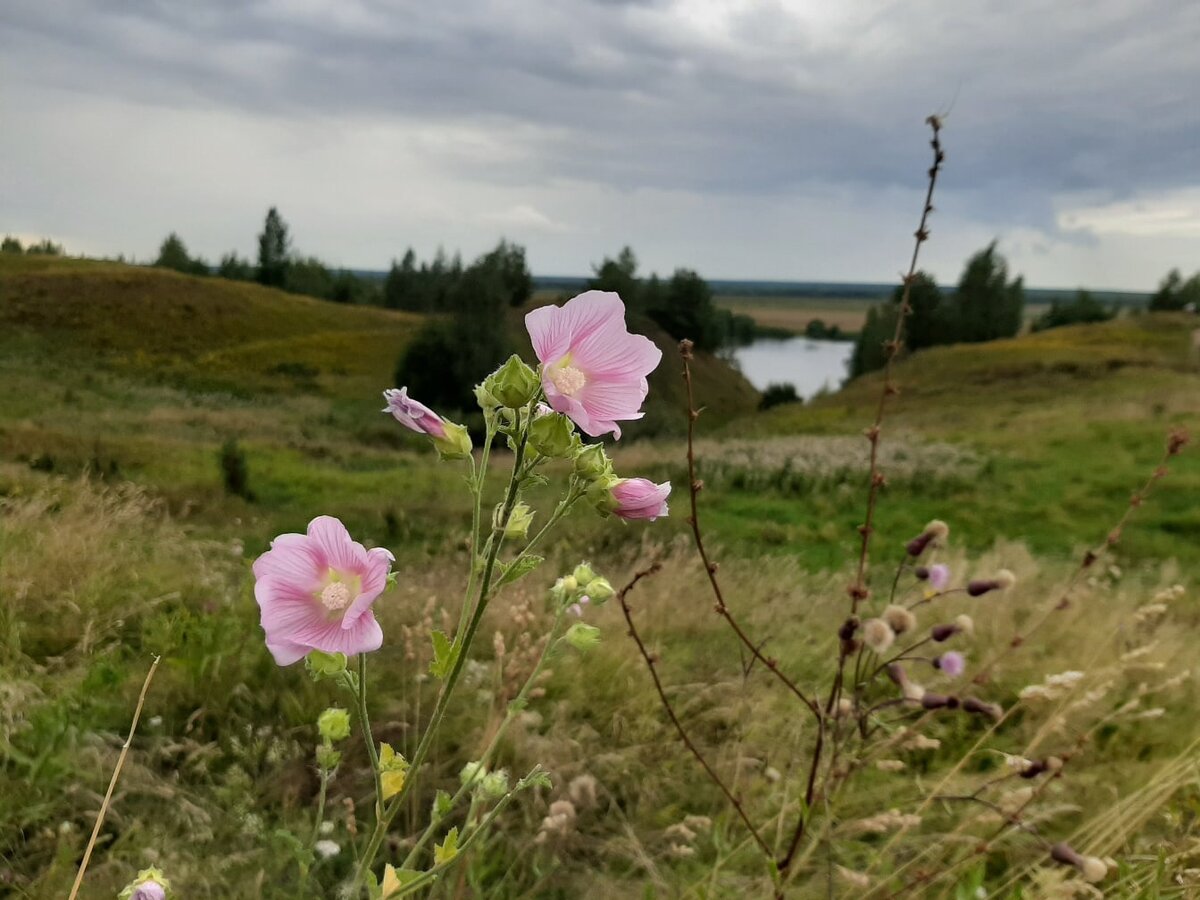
<point x="744" y="139"/>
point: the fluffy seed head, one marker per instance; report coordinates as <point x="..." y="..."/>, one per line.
<point x="899" y="618"/>
<point x="878" y="635"/>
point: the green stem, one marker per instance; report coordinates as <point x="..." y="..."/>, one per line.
<point x="428" y="877"/>
<point x="368" y="737"/>
<point x="460" y="650"/>
<point x="514" y="707"/>
<point x="316" y="832"/>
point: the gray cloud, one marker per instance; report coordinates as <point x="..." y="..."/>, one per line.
<point x="723" y="100"/>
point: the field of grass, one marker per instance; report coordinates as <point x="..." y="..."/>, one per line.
<point x="117" y="541"/>
<point x="794" y="313"/>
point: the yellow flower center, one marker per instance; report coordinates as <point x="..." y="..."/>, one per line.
<point x="568" y="379"/>
<point x="335" y="596"/>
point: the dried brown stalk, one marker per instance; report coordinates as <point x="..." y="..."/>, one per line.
<point x="651" y="664"/>
<point x="112" y="784"/>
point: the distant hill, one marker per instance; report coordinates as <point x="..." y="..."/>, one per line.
<point x="766" y="291"/>
<point x="217" y="334"/>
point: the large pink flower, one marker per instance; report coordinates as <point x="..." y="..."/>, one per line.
<point x="593" y="369"/>
<point x="640" y="498"/>
<point x="315" y="592"/>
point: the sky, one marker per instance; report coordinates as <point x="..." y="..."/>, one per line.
<point x="782" y="139"/>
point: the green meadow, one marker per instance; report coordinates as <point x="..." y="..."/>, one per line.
<point x="119" y="387"/>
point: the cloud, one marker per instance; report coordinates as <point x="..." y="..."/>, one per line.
<point x="524" y="218"/>
<point x="1170" y="214"/>
<point x="442" y="120"/>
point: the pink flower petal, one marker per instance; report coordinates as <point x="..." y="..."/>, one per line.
<point x="640" y="498"/>
<point x="341" y="552"/>
<point x="289" y="582"/>
<point x="554" y="329"/>
<point x="374" y="580"/>
<point x="292" y="558"/>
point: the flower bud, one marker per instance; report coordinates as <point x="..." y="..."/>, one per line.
<point x="518" y="523"/>
<point x="553" y="435"/>
<point x="455" y="443"/>
<point x="584" y="575"/>
<point x="943" y="632"/>
<point x="600" y="494"/>
<point x="930" y="700"/>
<point x="494" y="785"/>
<point x="514" y="384"/>
<point x="1001" y="581"/>
<point x="328" y="759"/>
<point x="582" y="637"/>
<point x="1090" y="867"/>
<point x="935" y="532"/>
<point x="471" y="773"/>
<point x="149" y="885"/>
<point x="484" y="398"/>
<point x="334" y="724"/>
<point x="992" y="710"/>
<point x="325" y="665"/>
<point x="592" y="462"/>
<point x="600" y="590"/>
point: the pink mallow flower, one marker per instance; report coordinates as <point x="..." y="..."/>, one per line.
<point x="593" y="369"/>
<point x="315" y="591"/>
<point x="412" y="413"/>
<point x="951" y="663"/>
<point x="640" y="498"/>
<point x="939" y="576"/>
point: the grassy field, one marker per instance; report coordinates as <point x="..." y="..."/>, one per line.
<point x="794" y="313"/>
<point x="118" y="386"/>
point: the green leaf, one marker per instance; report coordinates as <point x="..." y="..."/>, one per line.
<point x="447" y="849"/>
<point x="539" y="777"/>
<point x="519" y="568"/>
<point x="443" y="656"/>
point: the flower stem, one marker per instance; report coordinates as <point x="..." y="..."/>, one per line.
<point x="460" y="657"/>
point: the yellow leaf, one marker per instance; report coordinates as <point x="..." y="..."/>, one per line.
<point x="393" y="783"/>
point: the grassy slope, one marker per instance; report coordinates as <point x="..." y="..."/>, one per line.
<point x="1058" y="427"/>
<point x="1067" y="423"/>
<point x="143" y="373"/>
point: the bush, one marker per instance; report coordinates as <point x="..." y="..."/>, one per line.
<point x="234" y="473"/>
<point x="779" y="394"/>
<point x="1084" y="308"/>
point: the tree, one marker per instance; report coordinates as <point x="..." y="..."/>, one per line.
<point x="1174" y="293"/>
<point x="273" y="251"/>
<point x="986" y="305"/>
<point x="10" y="245"/>
<point x="44" y="247"/>
<point x="1084" y="308"/>
<point x="509" y="261"/>
<point x="441" y="365"/>
<point x="235" y="268"/>
<point x="869" y="349"/>
<point x="400" y="287"/>
<point x="308" y="276"/>
<point x="173" y="254"/>
<point x="618" y="275"/>
<point x="926" y="325"/>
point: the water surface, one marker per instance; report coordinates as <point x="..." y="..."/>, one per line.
<point x="808" y="365"/>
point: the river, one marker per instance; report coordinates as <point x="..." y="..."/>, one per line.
<point x="806" y="364"/>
